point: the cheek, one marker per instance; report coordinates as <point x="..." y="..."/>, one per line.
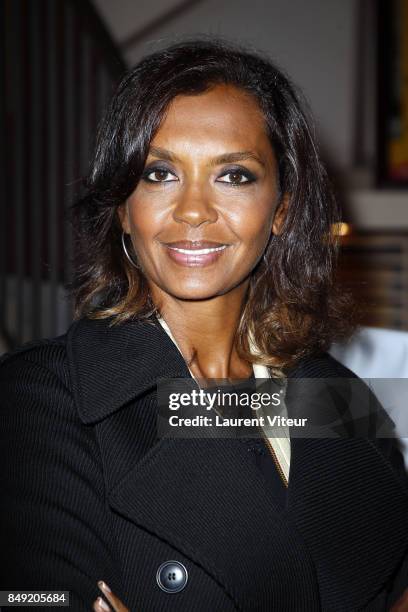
<point x="254" y="221"/>
<point x="154" y="200"/>
<point x="257" y="238"/>
<point x="145" y="220"/>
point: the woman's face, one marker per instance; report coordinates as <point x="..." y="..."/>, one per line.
<point x="202" y="214"/>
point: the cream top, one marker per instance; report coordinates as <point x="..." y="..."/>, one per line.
<point x="280" y="445"/>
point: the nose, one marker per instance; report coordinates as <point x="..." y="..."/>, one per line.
<point x="194" y="206"/>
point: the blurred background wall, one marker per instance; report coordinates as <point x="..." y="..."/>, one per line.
<point x="61" y="60"/>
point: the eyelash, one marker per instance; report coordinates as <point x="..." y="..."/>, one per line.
<point x="248" y="175"/>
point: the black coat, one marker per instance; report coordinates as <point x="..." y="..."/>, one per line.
<point x="88" y="492"/>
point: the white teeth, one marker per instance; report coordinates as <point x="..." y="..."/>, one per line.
<point x="199" y="251"/>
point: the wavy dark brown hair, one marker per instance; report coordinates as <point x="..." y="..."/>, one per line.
<point x="293" y="306"/>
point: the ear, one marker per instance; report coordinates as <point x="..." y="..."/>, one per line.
<point x="123" y="215"/>
<point x="280" y="214"/>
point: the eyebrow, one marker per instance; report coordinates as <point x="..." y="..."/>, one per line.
<point x="225" y="158"/>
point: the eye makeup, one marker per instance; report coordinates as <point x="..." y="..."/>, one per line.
<point x="234" y="170"/>
<point x="240" y="171"/>
<point x="153" y="169"/>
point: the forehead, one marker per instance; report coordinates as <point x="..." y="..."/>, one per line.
<point x="223" y="115"/>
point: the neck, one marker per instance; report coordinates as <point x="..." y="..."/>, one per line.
<point x="205" y="332"/>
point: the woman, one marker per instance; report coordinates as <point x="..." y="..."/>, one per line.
<point x="205" y="252"/>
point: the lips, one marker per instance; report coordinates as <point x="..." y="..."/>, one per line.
<point x="195" y="245"/>
<point x="195" y="253"/>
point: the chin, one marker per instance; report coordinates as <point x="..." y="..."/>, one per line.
<point x="193" y="293"/>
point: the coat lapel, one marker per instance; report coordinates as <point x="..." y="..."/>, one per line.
<point x="344" y="529"/>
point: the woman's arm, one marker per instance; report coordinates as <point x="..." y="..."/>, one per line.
<point x="54" y="528"/>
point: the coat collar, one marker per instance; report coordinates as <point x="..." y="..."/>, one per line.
<point x="111" y="365"/>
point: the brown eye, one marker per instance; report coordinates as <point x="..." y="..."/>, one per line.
<point x="237" y="177"/>
<point x="158" y="175"/>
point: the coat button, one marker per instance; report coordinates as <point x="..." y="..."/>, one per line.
<point x="172" y="576"/>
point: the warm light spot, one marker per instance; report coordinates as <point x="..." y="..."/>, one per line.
<point x="341" y="229"/>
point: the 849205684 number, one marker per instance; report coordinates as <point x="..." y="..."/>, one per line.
<point x="34" y="598"/>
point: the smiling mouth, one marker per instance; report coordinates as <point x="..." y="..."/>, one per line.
<point x="198" y="251"/>
<point x="195" y="254"/>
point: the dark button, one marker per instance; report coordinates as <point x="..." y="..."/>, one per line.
<point x="172" y="576"/>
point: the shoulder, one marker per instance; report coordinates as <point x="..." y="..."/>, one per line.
<point x="369" y="417"/>
<point x="46" y="355"/>
<point x="325" y="378"/>
<point x="320" y="365"/>
<point x="50" y="357"/>
<point x="37" y="406"/>
<point x="35" y="383"/>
